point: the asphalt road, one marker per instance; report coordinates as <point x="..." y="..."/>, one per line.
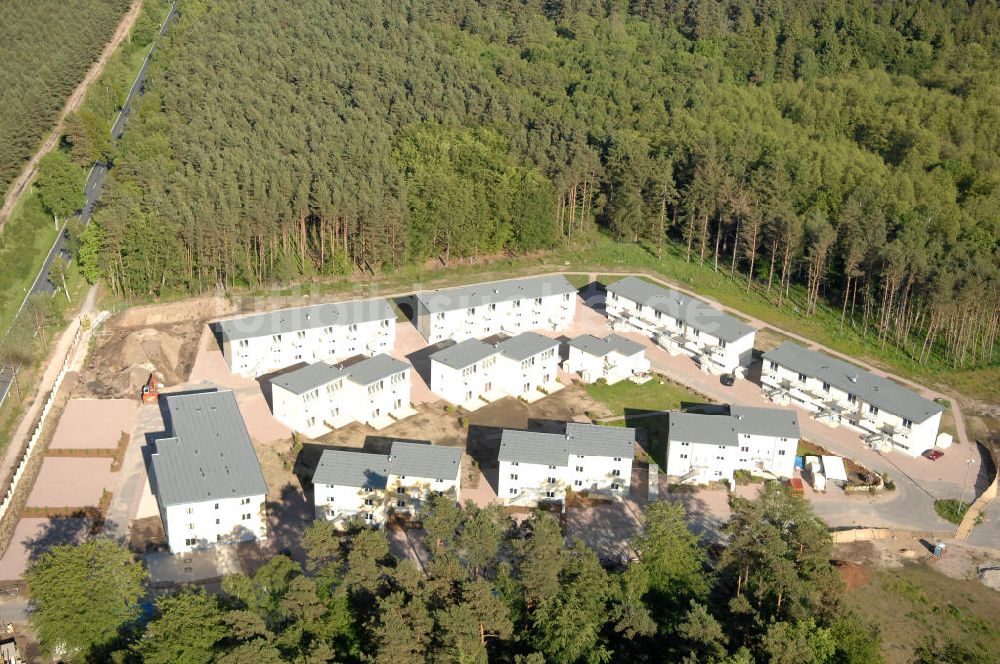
<point x="95" y="183"/>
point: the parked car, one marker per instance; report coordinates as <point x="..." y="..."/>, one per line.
<point x="728" y="379"/>
<point x="933" y="455"/>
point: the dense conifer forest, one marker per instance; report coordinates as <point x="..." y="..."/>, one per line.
<point x="46" y="47"/>
<point x="851" y="148"/>
<point x="489" y="590"/>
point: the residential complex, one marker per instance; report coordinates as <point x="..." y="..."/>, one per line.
<point x="508" y="307"/>
<point x="680" y="324"/>
<point x="704" y="448"/>
<point x="205" y="474"/>
<point x="258" y="344"/>
<point x="541" y="467"/>
<point x="613" y="358"/>
<point x="890" y="416"/>
<point x="473" y="372"/>
<point x="323" y="396"/>
<point x="360" y="485"/>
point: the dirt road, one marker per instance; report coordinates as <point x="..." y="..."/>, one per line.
<point x="72" y="103"/>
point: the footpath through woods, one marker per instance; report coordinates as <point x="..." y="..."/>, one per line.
<point x="20" y="185"/>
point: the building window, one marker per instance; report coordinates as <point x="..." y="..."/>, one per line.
<point x="190" y="541"/>
<point x="718" y="473"/>
<point x="720" y="458"/>
<point x="851" y="398"/>
<point x="244" y="343"/>
<point x="552" y="467"/>
<point x="773" y="366"/>
<point x="368" y="516"/>
<point x="244" y="501"/>
<point x="190" y="526"/>
<point x="515" y="463"/>
<point x="512" y="491"/>
<point x="513" y="476"/>
<point x="802" y="378"/>
<point x="579" y="469"/>
<point x="618" y="458"/>
<point x="781" y="452"/>
<point x="246" y="517"/>
<point x="616" y="487"/>
<point x="190" y="510"/>
<point x="684" y="456"/>
<point x="744" y="449"/>
<point x="616" y="473"/>
<point x="550" y="494"/>
<point x="216" y="522"/>
<point x="826" y="387"/>
<point x="369" y="501"/>
<point x="400" y="503"/>
<point x="685" y="444"/>
<point x="577" y="482"/>
<point x="907" y="424"/>
<point x="551" y="480"/>
<point x="400" y="490"/>
<point x="873" y="409"/>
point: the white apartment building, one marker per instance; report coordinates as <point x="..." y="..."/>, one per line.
<point x="889" y="416"/>
<point x="474" y="372"/>
<point x="205" y="474"/>
<point x="501" y="307"/>
<point x="613" y="358"/>
<point x="321" y="397"/>
<point x="258" y="344"/>
<point x="681" y="324"/>
<point x="541" y="467"/>
<point x="710" y="448"/>
<point x="351" y="485"/>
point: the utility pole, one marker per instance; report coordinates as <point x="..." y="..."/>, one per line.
<point x="968" y="466"/>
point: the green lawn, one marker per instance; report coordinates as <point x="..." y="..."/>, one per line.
<point x="24" y="243"/>
<point x="915" y="603"/>
<point x="952" y="511"/>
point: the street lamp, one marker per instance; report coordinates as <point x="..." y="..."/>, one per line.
<point x="968" y="466"/>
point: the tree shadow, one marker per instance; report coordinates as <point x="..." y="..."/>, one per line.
<point x="58" y="531"/>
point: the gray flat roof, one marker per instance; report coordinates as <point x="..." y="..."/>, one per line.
<point x="599" y="347"/>
<point x="306" y="318"/>
<point x="364" y="372"/>
<point x="594" y="440"/>
<point x="347" y="468"/>
<point x="308" y="377"/>
<point x="209" y="455"/>
<point x="547" y="449"/>
<point x="464" y="353"/>
<point x="706" y="429"/>
<point x="778" y="422"/>
<point x="372" y="369"/>
<point x="477" y="295"/>
<point x="868" y="387"/>
<point x="525" y="345"/>
<point x="691" y="311"/>
<point x="414" y="459"/>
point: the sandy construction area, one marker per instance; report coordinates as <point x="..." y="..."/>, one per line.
<point x="71" y="482"/>
<point x="94" y="423"/>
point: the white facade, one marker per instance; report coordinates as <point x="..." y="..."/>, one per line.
<point x="523" y="366"/>
<point x="889" y="417"/>
<point x="500" y="307"/>
<point x="681" y="324"/>
<point x="255" y="345"/>
<point x="541" y="467"/>
<point x="321" y="397"/>
<point x="369" y="487"/>
<point x="612" y="358"/>
<point x="205" y="475"/>
<point x="711" y="448"/>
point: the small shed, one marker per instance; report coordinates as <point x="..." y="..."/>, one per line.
<point x="833" y="468"/>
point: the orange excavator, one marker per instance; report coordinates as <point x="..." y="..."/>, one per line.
<point x="151" y="390"/>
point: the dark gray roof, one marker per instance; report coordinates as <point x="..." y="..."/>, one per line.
<point x="347" y="468"/>
<point x="778" y="422"/>
<point x="497" y="291"/>
<point x="868" y="387"/>
<point x="599" y="347"/>
<point x="464" y="353"/>
<point x="547" y="449"/>
<point x="697" y="428"/>
<point x="594" y="440"/>
<point x="209" y="455"/>
<point x="414" y="459"/>
<point x="691" y="311"/>
<point x="375" y="368"/>
<point x="306" y="318"/>
<point x="308" y="377"/>
<point x="525" y="345"/>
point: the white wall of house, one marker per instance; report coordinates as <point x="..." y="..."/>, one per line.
<point x="407" y="495"/>
<point x="460" y="385"/>
<point x="676" y="336"/>
<point x="527" y="484"/>
<point x="700" y="463"/>
<point x="203" y="524"/>
<point x="519" y="377"/>
<point x="599" y="474"/>
<point x="259" y="355"/>
<point x="340" y="402"/>
<point x="814" y="395"/>
<point x="342" y="504"/>
<point x="613" y="367"/>
<point x="772" y="454"/>
<point x="551" y="312"/>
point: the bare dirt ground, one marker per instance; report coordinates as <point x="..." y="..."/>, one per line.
<point x="72" y="103"/>
<point x="94" y="423"/>
<point x="123" y="357"/>
<point x="960" y="561"/>
<point x="34" y="536"/>
<point x="71" y="482"/>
